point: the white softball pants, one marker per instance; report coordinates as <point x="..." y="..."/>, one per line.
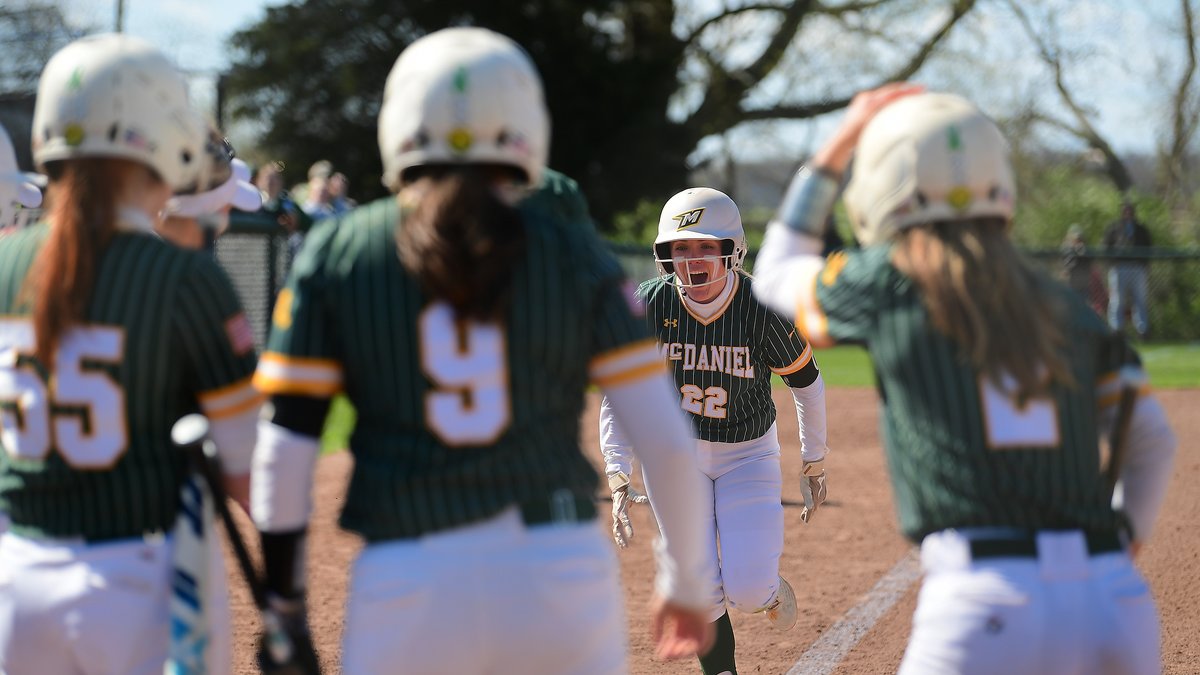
<point x="1062" y="613"/>
<point x="492" y="597"/>
<point x="70" y="608"/>
<point x="745" y="523"/>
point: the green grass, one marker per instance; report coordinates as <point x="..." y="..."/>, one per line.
<point x="1170" y="366"/>
<point x="338" y="425"/>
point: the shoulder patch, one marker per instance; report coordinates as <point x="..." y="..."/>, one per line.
<point x="241" y="335"/>
<point x="281" y="317"/>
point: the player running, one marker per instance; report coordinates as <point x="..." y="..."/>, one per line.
<point x="723" y="346"/>
<point x="465" y="323"/>
<point x="995" y="380"/>
<point x="108" y="335"/>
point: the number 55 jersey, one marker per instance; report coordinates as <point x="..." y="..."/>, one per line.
<point x="86" y="445"/>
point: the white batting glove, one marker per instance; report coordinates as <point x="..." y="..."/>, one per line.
<point x="812" y="486"/>
<point x="623" y="495"/>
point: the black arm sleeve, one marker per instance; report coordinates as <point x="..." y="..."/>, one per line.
<point x="301" y="414"/>
<point x="803" y="377"/>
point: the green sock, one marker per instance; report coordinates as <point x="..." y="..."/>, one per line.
<point x="719" y="659"/>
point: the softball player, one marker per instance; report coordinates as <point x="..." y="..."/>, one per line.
<point x="996" y="382"/>
<point x="107" y="336"/>
<point x="17" y="189"/>
<point x="465" y="322"/>
<point x="723" y="346"/>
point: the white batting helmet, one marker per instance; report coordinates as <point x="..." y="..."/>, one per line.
<point x="117" y="96"/>
<point x="463" y="96"/>
<point x="700" y="213"/>
<point x="926" y="158"/>
<point x="16" y="188"/>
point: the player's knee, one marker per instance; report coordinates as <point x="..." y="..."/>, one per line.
<point x="749" y="590"/>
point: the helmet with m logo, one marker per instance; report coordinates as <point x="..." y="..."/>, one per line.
<point x="699" y="213"/>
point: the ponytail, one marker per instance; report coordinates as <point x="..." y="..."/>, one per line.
<point x="82" y="213"/>
<point x="460" y="239"/>
<point x="981" y="293"/>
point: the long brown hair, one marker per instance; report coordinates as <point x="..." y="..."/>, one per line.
<point x="460" y="239"/>
<point x="982" y="293"/>
<point x="82" y="212"/>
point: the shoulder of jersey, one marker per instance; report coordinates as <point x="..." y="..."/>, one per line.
<point x="651" y="287"/>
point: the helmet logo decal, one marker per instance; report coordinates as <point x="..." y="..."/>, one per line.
<point x="689" y="218"/>
<point x="460" y="138"/>
<point x="76" y="80"/>
<point x="959" y="197"/>
<point x="74" y="134"/>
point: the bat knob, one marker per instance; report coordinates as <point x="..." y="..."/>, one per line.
<point x="190" y="431"/>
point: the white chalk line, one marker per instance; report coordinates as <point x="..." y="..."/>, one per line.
<point x="824" y="655"/>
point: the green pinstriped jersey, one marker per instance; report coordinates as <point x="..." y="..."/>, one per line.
<point x="456" y="420"/>
<point x="86" y="449"/>
<point x="722" y="365"/>
<point x="961" y="452"/>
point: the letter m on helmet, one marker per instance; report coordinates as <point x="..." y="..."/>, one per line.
<point x="688" y="218"/>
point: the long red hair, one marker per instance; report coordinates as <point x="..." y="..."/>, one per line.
<point x="82" y="212"/>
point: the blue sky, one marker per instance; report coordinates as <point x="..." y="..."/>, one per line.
<point x="1120" y="81"/>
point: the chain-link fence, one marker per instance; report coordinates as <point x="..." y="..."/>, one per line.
<point x="257" y="252"/>
<point x="1172" y="283"/>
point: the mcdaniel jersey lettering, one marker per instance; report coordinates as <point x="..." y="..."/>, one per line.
<point x="87" y="450"/>
<point x="723" y="365"/>
<point x="456" y="420"/>
<point x="961" y="452"/>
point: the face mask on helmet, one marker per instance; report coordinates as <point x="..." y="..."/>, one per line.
<point x="926" y="158"/>
<point x="117" y="96"/>
<point x="697" y="215"/>
<point x="463" y="96"/>
<point x="216" y="165"/>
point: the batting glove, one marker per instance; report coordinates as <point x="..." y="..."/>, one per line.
<point x="285" y="647"/>
<point x="812" y="486"/>
<point x="623" y="495"/>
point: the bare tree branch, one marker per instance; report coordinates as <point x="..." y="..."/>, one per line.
<point x="914" y="63"/>
<point x="717" y="18"/>
<point x="848" y="8"/>
<point x="721" y="108"/>
<point x="1083" y="127"/>
<point x="1184" y="116"/>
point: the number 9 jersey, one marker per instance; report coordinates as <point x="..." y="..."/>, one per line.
<point x="457" y="420"/>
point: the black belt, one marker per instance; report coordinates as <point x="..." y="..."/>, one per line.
<point x="1026" y="546"/>
<point x="560" y="507"/>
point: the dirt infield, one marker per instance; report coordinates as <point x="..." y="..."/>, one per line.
<point x="833" y="562"/>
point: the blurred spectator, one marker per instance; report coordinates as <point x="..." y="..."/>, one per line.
<point x="339" y="185"/>
<point x="278" y="203"/>
<point x="1127" y="279"/>
<point x="1079" y="271"/>
<point x="317" y="203"/>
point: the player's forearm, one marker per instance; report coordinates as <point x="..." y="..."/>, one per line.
<point x="785" y="267"/>
<point x="1147" y="469"/>
<point x="810" y="414"/>
<point x="614" y="443"/>
<point x="648" y="410"/>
